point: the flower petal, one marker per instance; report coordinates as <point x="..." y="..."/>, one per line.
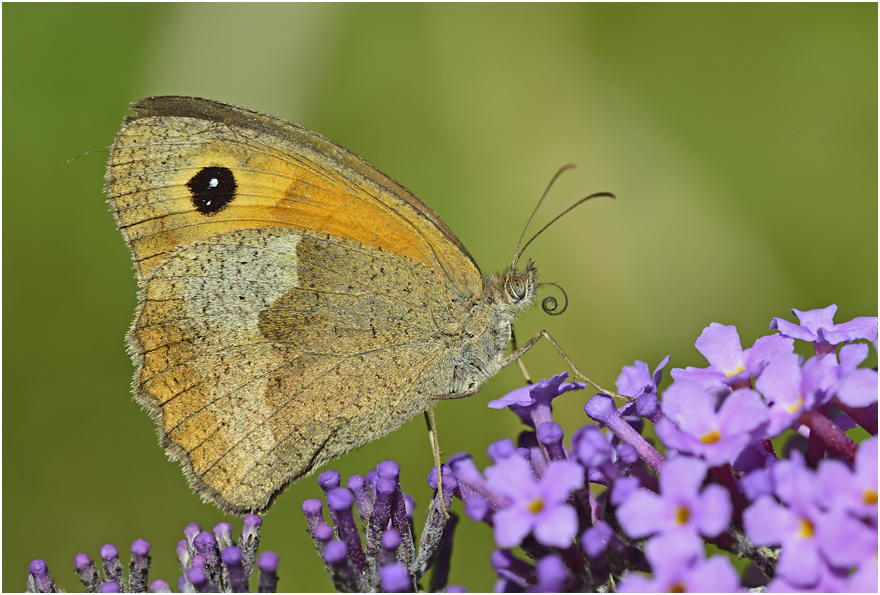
<point x="715" y="575"/>
<point x="741" y="412"/>
<point x="681" y="478"/>
<point x="556" y="526"/>
<point x="722" y="348"/>
<point x="713" y="513"/>
<point x="645" y="513"/>
<point x="766" y="348"/>
<point x="512" y="477"/>
<point x="512" y="525"/>
<point x="859" y="389"/>
<point x="559" y="480"/>
<point x="688" y="405"/>
<point x="813" y="320"/>
<point x="768" y="523"/>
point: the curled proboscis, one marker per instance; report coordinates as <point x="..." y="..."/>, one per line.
<point x="549" y="303"/>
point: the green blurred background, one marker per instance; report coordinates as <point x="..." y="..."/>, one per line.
<point x="741" y="141"/>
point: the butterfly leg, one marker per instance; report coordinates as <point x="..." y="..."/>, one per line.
<point x="518" y="353"/>
<point x="435" y="446"/>
<point x="435" y="443"/>
<point x="522" y="366"/>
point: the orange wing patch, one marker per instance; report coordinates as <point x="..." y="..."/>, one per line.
<point x="155" y="210"/>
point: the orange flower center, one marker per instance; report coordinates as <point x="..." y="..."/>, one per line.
<point x="806" y="529"/>
<point x="734" y="372"/>
<point x="796" y="406"/>
<point x="536" y="505"/>
<point x="711" y="438"/>
<point x="682" y="514"/>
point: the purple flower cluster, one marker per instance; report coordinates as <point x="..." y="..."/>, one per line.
<point x="807" y="522"/>
<point x="387" y="559"/>
<point x="209" y="563"/>
<point x="606" y="511"/>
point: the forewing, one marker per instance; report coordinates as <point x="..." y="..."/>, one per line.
<point x="283" y="175"/>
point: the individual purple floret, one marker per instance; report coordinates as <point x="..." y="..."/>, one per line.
<point x="184" y="552"/>
<point x="38" y="580"/>
<point x="789" y="388"/>
<point x="159" y="586"/>
<point x="198" y="578"/>
<point x="592" y="449"/>
<point x="817" y="327"/>
<point x="535" y="506"/>
<point x="692" y="425"/>
<point x="268" y="564"/>
<point x="339" y="502"/>
<point x="206" y="545"/>
<point x="401" y="511"/>
<point x="111" y="564"/>
<point x="191" y="531"/>
<point x="223" y="533"/>
<point x="313" y="508"/>
<point x="550" y="435"/>
<point x="139" y="568"/>
<point x="87" y="572"/>
<point x="636" y="381"/>
<point x="679" y="566"/>
<point x="681" y="505"/>
<point x="329" y="480"/>
<point x="533" y="403"/>
<point x="344" y="575"/>
<point x="395" y="578"/>
<point x="501" y="449"/>
<point x="357" y="485"/>
<point x="551" y="574"/>
<point x="729" y="363"/>
<point x="513" y="570"/>
<point x="237" y="580"/>
<point x="249" y="542"/>
<point x="596" y="539"/>
<point x="390" y="543"/>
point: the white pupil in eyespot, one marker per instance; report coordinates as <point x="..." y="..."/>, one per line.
<point x="213" y="183"/>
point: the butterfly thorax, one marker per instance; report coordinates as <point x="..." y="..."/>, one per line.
<point x="486" y="331"/>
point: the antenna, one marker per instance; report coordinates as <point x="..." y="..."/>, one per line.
<point x="519" y="250"/>
<point x="516" y="252"/>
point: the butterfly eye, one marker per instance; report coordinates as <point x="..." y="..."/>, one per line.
<point x="516" y="288"/>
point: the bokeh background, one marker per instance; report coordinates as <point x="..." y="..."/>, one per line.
<point x="741" y="141"/>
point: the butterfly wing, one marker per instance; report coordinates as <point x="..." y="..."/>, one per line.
<point x="283" y="174"/>
<point x="293" y="298"/>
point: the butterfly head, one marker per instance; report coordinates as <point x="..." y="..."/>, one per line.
<point x="520" y="286"/>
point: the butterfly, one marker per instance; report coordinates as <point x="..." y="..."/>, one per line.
<point x="294" y="301"/>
